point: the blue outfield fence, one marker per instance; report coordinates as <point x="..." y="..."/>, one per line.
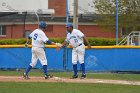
<point x="99" y="58"/>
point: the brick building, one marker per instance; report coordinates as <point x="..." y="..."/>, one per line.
<point x="19" y="25"/>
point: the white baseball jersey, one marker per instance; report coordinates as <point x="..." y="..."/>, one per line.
<point x="38" y="38"/>
<point x="75" y="38"/>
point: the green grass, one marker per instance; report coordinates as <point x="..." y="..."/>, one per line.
<point x="42" y="87"/>
<point x="47" y="87"/>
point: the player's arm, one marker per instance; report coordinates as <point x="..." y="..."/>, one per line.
<point x="27" y="41"/>
<point x="46" y="40"/>
<point x="64" y="43"/>
<point x="53" y="43"/>
<point x="86" y="41"/>
<point x="50" y="42"/>
<point x="84" y="37"/>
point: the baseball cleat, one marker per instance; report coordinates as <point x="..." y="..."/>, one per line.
<point x="74" y="77"/>
<point x="83" y="76"/>
<point x="48" y="76"/>
<point x="25" y="76"/>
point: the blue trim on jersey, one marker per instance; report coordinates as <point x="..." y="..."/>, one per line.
<point x="49" y="41"/>
<point x="72" y="37"/>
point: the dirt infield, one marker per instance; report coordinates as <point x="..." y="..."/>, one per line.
<point x="65" y="80"/>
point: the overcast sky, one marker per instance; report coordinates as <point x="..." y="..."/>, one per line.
<point x="84" y="6"/>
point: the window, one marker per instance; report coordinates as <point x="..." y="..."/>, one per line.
<point x="2" y="30"/>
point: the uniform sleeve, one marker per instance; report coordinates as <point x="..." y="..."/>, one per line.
<point x="80" y="34"/>
<point x="44" y="37"/>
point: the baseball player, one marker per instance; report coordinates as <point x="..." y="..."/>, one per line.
<point x="38" y="39"/>
<point x="76" y="39"/>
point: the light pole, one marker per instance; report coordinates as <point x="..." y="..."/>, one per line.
<point x="65" y="52"/>
<point x="117" y="22"/>
<point x="67" y="12"/>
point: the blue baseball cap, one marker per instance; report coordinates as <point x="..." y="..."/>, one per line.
<point x="42" y="24"/>
<point x="69" y="25"/>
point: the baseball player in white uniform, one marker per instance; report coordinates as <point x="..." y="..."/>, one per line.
<point x="76" y="39"/>
<point x="38" y="39"/>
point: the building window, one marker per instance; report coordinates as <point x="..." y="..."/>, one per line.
<point x="2" y="30"/>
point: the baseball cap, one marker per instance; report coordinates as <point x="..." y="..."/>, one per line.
<point x="42" y="24"/>
<point x="69" y="25"/>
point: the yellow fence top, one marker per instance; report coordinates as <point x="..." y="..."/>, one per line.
<point x="54" y="46"/>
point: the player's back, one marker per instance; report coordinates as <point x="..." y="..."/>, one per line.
<point x="38" y="38"/>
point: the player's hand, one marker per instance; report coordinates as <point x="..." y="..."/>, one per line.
<point x="26" y="45"/>
<point x="59" y="45"/>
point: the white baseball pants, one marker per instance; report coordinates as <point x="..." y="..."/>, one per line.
<point x="38" y="53"/>
<point x="78" y="54"/>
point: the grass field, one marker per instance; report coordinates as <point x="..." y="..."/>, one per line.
<point x="22" y="87"/>
<point x="45" y="87"/>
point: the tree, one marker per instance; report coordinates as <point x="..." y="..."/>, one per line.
<point x="129" y="13"/>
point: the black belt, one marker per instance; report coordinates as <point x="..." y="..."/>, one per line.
<point x="80" y="44"/>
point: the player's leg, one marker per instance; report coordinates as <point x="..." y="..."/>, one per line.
<point x="31" y="65"/>
<point x="81" y="53"/>
<point x="43" y="60"/>
<point x="74" y="62"/>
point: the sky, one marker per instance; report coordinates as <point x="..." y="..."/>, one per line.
<point x="85" y="6"/>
